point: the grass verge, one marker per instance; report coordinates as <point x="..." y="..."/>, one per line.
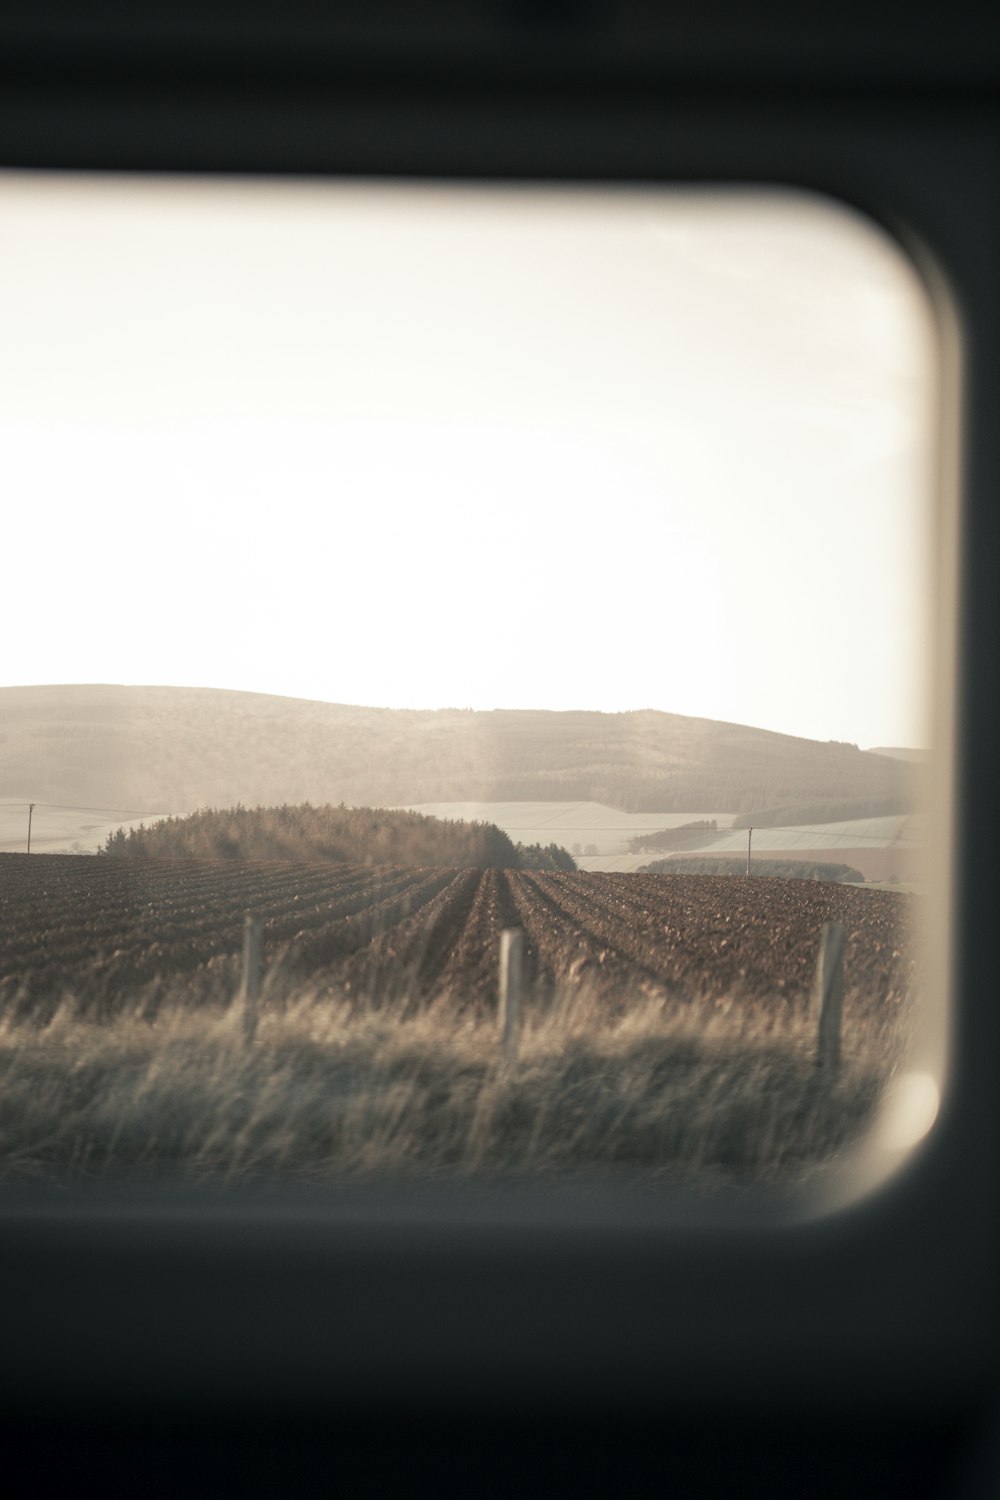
<point x="341" y="1088"/>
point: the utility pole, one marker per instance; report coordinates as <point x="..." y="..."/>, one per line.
<point x="31" y="808"/>
<point x="749" y="837"/>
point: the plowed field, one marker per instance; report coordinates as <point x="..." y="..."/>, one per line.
<point x="101" y="928"/>
<point x="667" y="1032"/>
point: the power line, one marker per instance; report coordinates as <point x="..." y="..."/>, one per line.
<point x="710" y="833"/>
<point x="128" y="812"/>
<point x="723" y="832"/>
<point x="846" y="840"/>
<point x="849" y="840"/>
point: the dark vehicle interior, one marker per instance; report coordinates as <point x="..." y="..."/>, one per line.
<point x="482" y="1343"/>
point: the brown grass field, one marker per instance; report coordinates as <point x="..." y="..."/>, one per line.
<point x="668" y="1034"/>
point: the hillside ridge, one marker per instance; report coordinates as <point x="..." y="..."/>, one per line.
<point x="178" y="749"/>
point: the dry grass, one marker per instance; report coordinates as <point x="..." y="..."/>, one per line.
<point x="335" y="1088"/>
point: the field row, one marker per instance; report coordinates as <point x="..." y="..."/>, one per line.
<point x="102" y="928"/>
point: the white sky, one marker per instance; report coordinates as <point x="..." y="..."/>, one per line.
<point x="467" y="447"/>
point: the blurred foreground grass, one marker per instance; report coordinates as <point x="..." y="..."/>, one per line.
<point x="337" y="1088"/>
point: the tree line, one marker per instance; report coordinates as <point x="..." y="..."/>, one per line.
<point x="786" y="869"/>
<point x="830" y="810"/>
<point x="686" y="836"/>
<point x="349" y="835"/>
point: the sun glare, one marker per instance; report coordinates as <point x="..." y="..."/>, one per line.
<point x="684" y="435"/>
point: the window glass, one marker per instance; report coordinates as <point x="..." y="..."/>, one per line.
<point x="399" y="566"/>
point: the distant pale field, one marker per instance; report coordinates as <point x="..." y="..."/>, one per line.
<point x="57" y="830"/>
<point x="903" y="831"/>
<point x="570" y="823"/>
<point x="583" y="823"/>
<point x="620" y="864"/>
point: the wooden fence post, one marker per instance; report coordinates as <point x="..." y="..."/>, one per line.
<point x="830" y="996"/>
<point x="511" y="974"/>
<point x="250" y="989"/>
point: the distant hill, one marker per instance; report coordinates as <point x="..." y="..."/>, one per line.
<point x="899" y="752"/>
<point x="178" y="749"/>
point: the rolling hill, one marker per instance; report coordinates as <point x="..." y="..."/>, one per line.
<point x="164" y="749"/>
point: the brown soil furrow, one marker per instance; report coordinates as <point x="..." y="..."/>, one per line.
<point x="598" y="911"/>
<point x="684" y="956"/>
<point x="757" y="938"/>
<point x="197" y="928"/>
<point x="102" y="927"/>
<point x="316" y="948"/>
<point x="471" y="968"/>
<point x="405" y="959"/>
<point x="573" y="947"/>
<point x="772" y="928"/>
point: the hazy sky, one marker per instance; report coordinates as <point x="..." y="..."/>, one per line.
<point x="466" y="447"/>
